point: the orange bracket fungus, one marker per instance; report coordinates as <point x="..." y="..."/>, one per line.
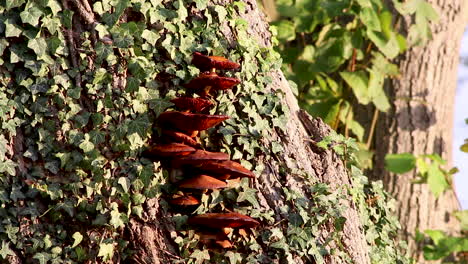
<point x="189" y="122"/>
<point x="180" y="137"/>
<point x="222" y="220"/>
<point x="185" y="200"/>
<point x="191" y="104"/>
<point x="206" y="82"/>
<point x="178" y="130"/>
<point x="212" y="63"/>
<point x="169" y="150"/>
<point x="229" y="167"/>
<point x="202" y="182"/>
<point x="200" y="156"/>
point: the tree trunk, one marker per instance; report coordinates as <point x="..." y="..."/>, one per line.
<point x="421" y="122"/>
<point x="152" y="238"/>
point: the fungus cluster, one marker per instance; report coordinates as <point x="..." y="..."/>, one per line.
<point x="179" y="146"/>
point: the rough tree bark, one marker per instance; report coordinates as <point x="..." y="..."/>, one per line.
<point x="421" y="122"/>
<point x="152" y="239"/>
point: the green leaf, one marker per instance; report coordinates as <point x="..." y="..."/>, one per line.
<point x="3" y="147"/>
<point x="249" y="195"/>
<point x="234" y="257"/>
<point x="464" y="147"/>
<point x="376" y="91"/>
<point x="8" y="166"/>
<point x="54" y="6"/>
<point x="106" y="251"/>
<point x="116" y="217"/>
<point x="86" y="145"/>
<point x="436" y="180"/>
<point x="435" y="235"/>
<point x="200" y="255"/>
<point x="39" y="45"/>
<point x="77" y="238"/>
<point x="159" y="105"/>
<point x="221" y="10"/>
<point x="5" y="251"/>
<point x="462" y="216"/>
<point x="125" y="183"/>
<point x="150" y="36"/>
<point x="12" y="29"/>
<point x="286" y="30"/>
<point x="370" y="18"/>
<point x="31" y="16"/>
<point x="14" y="3"/>
<point x="42" y="257"/>
<point x="111" y="19"/>
<point x="390" y="47"/>
<point x="358" y="81"/>
<point x="400" y="163"/>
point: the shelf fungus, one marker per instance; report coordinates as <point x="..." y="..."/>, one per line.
<point x="212" y="63"/>
<point x="184" y="200"/>
<point x="189" y="122"/>
<point x="169" y="150"/>
<point x="191" y="104"/>
<point x="179" y="129"/>
<point x="202" y="182"/>
<point x="180" y="137"/>
<point x="226" y="167"/>
<point x="222" y="220"/>
<point x="200" y="156"/>
<point x="208" y="81"/>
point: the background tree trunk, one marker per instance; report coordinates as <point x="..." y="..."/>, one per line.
<point x="152" y="238"/>
<point x="421" y="122"/>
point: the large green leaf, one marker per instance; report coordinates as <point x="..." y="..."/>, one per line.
<point x="400" y="163"/>
<point x="358" y="81"/>
<point x="436" y="180"/>
<point x="286" y="30"/>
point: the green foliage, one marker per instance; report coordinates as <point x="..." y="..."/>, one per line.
<point x="429" y="170"/>
<point x="376" y="206"/>
<point x="444" y="245"/>
<point x="339" y="53"/>
<point x="76" y="179"/>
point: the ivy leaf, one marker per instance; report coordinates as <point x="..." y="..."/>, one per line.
<point x="400" y="163"/>
<point x="159" y="105"/>
<point x="200" y="256"/>
<point x="249" y="195"/>
<point x="234" y="257"/>
<point x="106" y="251"/>
<point x="42" y="257"/>
<point x="221" y="10"/>
<point x="111" y="19"/>
<point x="140" y="125"/>
<point x="54" y="6"/>
<point x="86" y="145"/>
<point x="31" y="16"/>
<point x="77" y="238"/>
<point x="12" y="29"/>
<point x="14" y="3"/>
<point x="125" y="183"/>
<point x="150" y="36"/>
<point x="116" y="220"/>
<point x="3" y="146"/>
<point x="5" y="251"/>
<point x="8" y="166"/>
